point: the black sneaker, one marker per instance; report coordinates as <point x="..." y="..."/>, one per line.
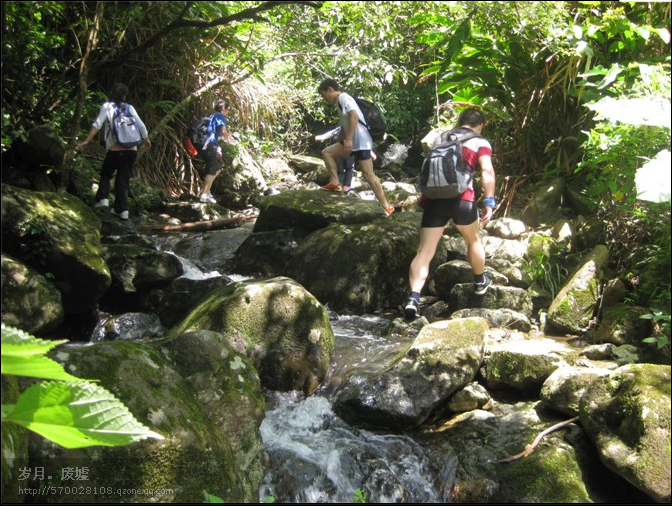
<point x="481" y="288"/>
<point x="411" y="309"/>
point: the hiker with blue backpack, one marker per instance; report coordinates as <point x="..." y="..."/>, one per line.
<point x="211" y="150"/>
<point x="446" y="182"/>
<point x="353" y="139"/>
<point x="123" y="131"/>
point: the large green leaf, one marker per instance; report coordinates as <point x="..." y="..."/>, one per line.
<point x="77" y="415"/>
<point x="23" y="355"/>
<point x="17" y="343"/>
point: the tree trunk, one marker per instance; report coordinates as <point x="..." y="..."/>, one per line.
<point x="199" y="226"/>
<point x="65" y="165"/>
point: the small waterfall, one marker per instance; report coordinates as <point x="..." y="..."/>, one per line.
<point x="317" y="457"/>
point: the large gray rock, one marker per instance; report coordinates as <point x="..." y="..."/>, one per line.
<point x="627" y="416"/>
<point x="462" y="296"/>
<point x="277" y="323"/>
<point x="564" y="388"/>
<point x="443" y="359"/>
<point x="525" y="365"/>
<point x="545" y="206"/>
<point x="362" y="268"/>
<point x="136" y="268"/>
<point x="312" y="210"/>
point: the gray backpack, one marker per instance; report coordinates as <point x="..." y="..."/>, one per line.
<point x="444" y="173"/>
<point x="125" y="130"/>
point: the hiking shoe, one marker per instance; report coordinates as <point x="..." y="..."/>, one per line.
<point x="332" y="186"/>
<point x="123" y="214"/>
<point x="208" y="199"/>
<point x="350" y="193"/>
<point x="389" y="210"/>
<point x="102" y="203"/>
<point x="411" y="309"/>
<point x="481" y="288"/>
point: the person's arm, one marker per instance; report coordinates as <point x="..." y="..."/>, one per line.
<point x="488" y="184"/>
<point x="225" y="134"/>
<point x="352" y="126"/>
<point x="95" y="128"/>
<point x="329" y="134"/>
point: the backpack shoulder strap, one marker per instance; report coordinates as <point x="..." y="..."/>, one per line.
<point x="469" y="135"/>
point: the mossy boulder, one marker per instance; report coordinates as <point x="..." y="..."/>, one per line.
<point x="277" y="323"/>
<point x="135" y="268"/>
<point x="194" y="391"/>
<point x="564" y="388"/>
<point x="362" y="267"/>
<point x="312" y="210"/>
<point x="545" y="206"/>
<point x="61" y="236"/>
<point x="622" y="324"/>
<point x="627" y="416"/>
<point x="563" y="469"/>
<point x="462" y="296"/>
<point x="29" y="300"/>
<point x="525" y="365"/>
<point x="573" y="307"/>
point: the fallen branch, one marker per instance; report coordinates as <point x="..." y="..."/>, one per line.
<point x="530" y="448"/>
<point x="198" y="226"/>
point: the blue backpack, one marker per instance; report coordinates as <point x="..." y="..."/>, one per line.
<point x="125" y="131"/>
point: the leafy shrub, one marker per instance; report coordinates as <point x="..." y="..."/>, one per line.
<point x="69" y="411"/>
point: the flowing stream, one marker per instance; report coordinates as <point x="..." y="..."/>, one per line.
<point x="317" y="457"/>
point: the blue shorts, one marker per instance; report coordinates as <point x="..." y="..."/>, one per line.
<point x="437" y="212"/>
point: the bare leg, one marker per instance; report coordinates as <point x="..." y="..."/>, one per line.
<point x="475" y="250"/>
<point x="207" y="183"/>
<point x="331" y="155"/>
<point x="419" y="270"/>
<point x="366" y="166"/>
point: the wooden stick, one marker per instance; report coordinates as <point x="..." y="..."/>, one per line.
<point x="530" y="448"/>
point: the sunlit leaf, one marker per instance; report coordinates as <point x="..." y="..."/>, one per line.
<point x="77" y="415"/>
<point x="23" y="355"/>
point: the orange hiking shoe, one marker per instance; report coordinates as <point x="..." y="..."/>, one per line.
<point x="332" y="186"/>
<point x="389" y="210"/>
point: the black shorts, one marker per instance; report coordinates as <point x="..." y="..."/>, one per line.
<point x="213" y="164"/>
<point x="362" y="154"/>
<point x="437" y="212"/>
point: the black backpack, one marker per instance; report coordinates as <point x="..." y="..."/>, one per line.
<point x="197" y="133"/>
<point x="373" y="117"/>
<point x="444" y="173"/>
<point x="374" y="120"/>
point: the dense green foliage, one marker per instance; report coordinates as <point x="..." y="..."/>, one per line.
<point x="535" y="69"/>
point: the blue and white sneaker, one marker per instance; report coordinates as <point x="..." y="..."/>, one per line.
<point x="481" y="288"/>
